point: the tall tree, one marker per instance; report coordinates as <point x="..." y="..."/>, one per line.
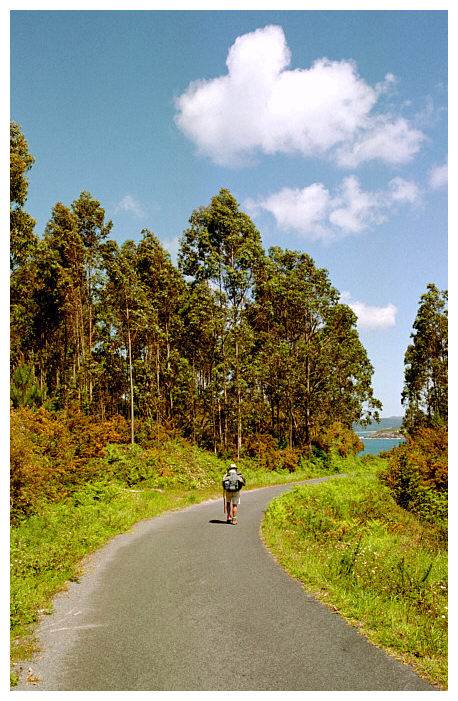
<point x="425" y="392"/>
<point x="165" y="288"/>
<point x="62" y="271"/>
<point x="125" y="306"/>
<point x="223" y="247"/>
<point x="314" y="367"/>
<point x="93" y="231"/>
<point x="22" y="236"/>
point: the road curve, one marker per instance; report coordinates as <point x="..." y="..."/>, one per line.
<point x="185" y="602"/>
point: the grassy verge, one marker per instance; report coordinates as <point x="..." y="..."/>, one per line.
<point x="47" y="548"/>
<point x="362" y="555"/>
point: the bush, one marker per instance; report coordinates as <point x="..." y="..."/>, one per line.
<point x="418" y="474"/>
<point x="265" y="449"/>
<point x="50" y="455"/>
<point x="129" y="464"/>
<point x="340" y="440"/>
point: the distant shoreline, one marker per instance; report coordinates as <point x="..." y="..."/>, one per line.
<point x="391" y="433"/>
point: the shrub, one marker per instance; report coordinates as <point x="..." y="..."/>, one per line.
<point x="418" y="473"/>
<point x="50" y="455"/>
<point x="339" y="439"/>
<point x="128" y="464"/>
<point x="269" y="456"/>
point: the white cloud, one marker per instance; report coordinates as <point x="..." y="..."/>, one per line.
<point x="393" y="142"/>
<point x="303" y="210"/>
<point x="438" y="176"/>
<point x="353" y="209"/>
<point x="404" y="191"/>
<point x="261" y="106"/>
<point x="317" y="214"/>
<point x="129" y="204"/>
<point x="371" y="317"/>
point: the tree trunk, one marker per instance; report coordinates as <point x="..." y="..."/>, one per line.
<point x="158" y="392"/>
<point x="131" y="380"/>
<point x="239" y="415"/>
<point x="90" y="334"/>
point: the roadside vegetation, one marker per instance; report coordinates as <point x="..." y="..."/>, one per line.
<point x="373" y="546"/>
<point x="381" y="567"/>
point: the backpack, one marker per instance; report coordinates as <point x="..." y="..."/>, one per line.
<point x="232" y="482"/>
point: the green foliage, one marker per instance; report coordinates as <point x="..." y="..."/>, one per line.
<point x="425" y="391"/>
<point x="311" y="364"/>
<point x="418" y="474"/>
<point x="24" y="389"/>
<point x="50" y="457"/>
<point x="22" y="237"/>
<point x="233" y="345"/>
<point x="337" y="438"/>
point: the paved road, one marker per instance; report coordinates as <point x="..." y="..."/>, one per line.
<point x="172" y="604"/>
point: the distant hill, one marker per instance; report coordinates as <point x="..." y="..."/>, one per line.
<point x="386" y="422"/>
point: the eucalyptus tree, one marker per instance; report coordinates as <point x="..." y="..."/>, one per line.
<point x="23" y="239"/>
<point x="23" y="243"/>
<point x="63" y="296"/>
<point x="165" y="290"/>
<point x="292" y="301"/>
<point x="223" y="247"/>
<point x="314" y="367"/>
<point x="93" y="231"/>
<point x="425" y="392"/>
<point x="125" y="306"/>
<point x="347" y="379"/>
<point x="61" y="273"/>
<point x="199" y="343"/>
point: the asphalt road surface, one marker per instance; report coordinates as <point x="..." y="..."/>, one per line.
<point x="185" y="602"/>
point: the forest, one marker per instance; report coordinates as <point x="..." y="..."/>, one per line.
<point x="232" y="346"/>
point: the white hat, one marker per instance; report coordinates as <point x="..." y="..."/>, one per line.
<point x="233" y="466"/>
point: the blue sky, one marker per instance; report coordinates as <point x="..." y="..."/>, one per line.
<point x="328" y="127"/>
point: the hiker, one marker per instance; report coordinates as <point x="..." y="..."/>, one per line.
<point x="233" y="481"/>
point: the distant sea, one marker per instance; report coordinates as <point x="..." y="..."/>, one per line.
<point x="377" y="445"/>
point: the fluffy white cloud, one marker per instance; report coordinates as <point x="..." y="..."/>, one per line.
<point x="393" y="142"/>
<point x="354" y="209"/>
<point x="129" y="204"/>
<point x="438" y="176"/>
<point x="261" y="106"/>
<point x="404" y="191"/>
<point x="317" y="214"/>
<point x="303" y="210"/>
<point x="371" y="317"/>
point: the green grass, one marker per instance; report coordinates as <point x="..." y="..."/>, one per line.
<point x="361" y="554"/>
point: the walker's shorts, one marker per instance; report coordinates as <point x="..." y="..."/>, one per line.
<point x="233" y="497"/>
